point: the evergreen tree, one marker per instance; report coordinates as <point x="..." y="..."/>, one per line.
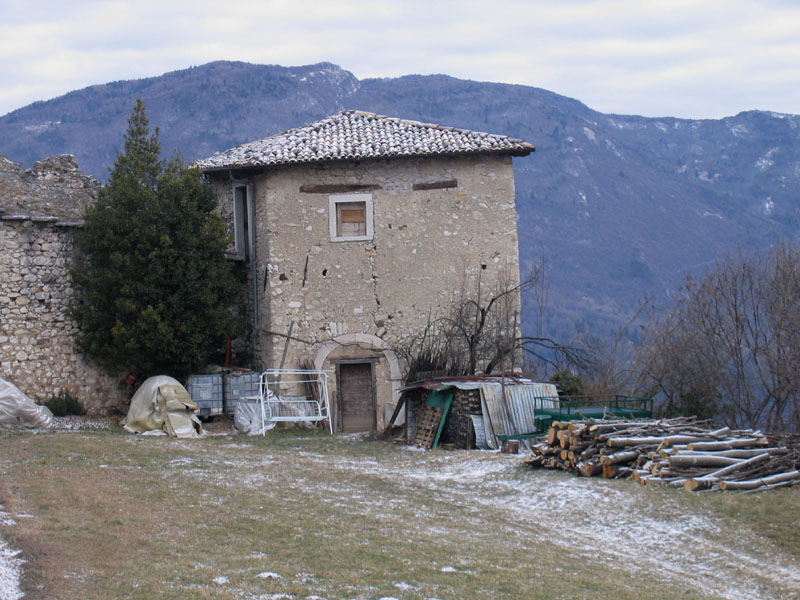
<point x="154" y="287"/>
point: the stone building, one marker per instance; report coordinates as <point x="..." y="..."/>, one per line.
<point x="39" y="211"/>
<point x="355" y="230"/>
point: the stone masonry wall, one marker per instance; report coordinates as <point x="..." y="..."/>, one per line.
<point x="424" y="241"/>
<point x="37" y="352"/>
<point x="39" y="210"/>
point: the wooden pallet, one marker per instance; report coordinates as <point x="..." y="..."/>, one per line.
<point x="428" y="426"/>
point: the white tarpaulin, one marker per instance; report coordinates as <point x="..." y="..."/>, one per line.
<point x="17" y="410"/>
<point x="248" y="417"/>
<point x="163" y="404"/>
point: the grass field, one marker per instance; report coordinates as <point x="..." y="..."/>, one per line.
<point x="298" y="514"/>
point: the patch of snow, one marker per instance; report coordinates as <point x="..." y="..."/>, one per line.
<point x="661" y="127"/>
<point x="784" y="117"/>
<point x="76" y="423"/>
<point x="448" y="569"/>
<point x="669" y="542"/>
<point x="589" y="134"/>
<point x="268" y="575"/>
<point x="739" y="130"/>
<point x="220" y="580"/>
<point x="769" y="205"/>
<point x="10" y="565"/>
<point x="766" y="161"/>
<point x="713" y="214"/>
<point x="10" y="573"/>
<point x="402" y="585"/>
<point x="5" y="518"/>
<point x="610" y="145"/>
<point x="42" y="126"/>
<point x="704" y="176"/>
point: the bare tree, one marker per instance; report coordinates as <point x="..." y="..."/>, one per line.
<point x="733" y="338"/>
<point x="479" y="331"/>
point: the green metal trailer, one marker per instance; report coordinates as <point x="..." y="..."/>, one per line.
<point x="576" y="408"/>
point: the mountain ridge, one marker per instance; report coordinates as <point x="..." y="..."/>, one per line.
<point x="621" y="206"/>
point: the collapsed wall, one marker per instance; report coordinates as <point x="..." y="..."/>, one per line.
<point x="40" y="209"/>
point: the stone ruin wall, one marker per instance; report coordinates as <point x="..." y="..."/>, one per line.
<point x="38" y="211"/>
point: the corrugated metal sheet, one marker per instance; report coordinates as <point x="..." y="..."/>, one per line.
<point x="516" y="415"/>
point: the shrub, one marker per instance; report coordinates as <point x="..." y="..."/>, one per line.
<point x="64" y="404"/>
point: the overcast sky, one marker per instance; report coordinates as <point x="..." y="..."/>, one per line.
<point x="684" y="58"/>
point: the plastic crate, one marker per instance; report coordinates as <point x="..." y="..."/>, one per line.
<point x="206" y="391"/>
<point x="239" y="385"/>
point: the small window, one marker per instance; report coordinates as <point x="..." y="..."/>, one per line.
<point x="350" y="217"/>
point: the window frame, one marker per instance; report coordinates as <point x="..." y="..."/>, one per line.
<point x="243" y="215"/>
<point x="333" y="210"/>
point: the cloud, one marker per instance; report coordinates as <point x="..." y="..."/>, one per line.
<point x="678" y="58"/>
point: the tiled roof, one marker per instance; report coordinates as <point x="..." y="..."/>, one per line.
<point x="356" y="135"/>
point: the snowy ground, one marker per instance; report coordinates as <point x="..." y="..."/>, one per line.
<point x="10" y="565"/>
<point x="10" y="560"/>
<point x="615" y="525"/>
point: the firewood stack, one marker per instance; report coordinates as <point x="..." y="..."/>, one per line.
<point x="680" y="452"/>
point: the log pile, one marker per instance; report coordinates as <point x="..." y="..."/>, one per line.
<point x="680" y="452"/>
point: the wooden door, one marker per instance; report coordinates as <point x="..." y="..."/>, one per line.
<point x="356" y="397"/>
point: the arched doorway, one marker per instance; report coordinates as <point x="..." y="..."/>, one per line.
<point x="364" y="388"/>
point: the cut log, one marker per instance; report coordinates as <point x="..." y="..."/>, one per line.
<point x="552" y="435"/>
<point x="666" y="440"/>
<point x="739" y="466"/>
<point x="616" y="471"/>
<point x="729" y="444"/>
<point x="738" y="452"/>
<point x="563" y="438"/>
<point x="701" y="460"/>
<point x="589" y="469"/>
<point x="753" y="484"/>
<point x="695" y="484"/>
<point x="618" y="457"/>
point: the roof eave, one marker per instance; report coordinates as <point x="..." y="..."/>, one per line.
<point x="524" y="151"/>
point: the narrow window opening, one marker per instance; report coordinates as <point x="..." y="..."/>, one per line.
<point x="241" y="222"/>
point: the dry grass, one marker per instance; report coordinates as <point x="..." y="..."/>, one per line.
<point x="304" y="515"/>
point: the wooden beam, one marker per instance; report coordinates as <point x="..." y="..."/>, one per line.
<point x="435" y="185"/>
<point x="338" y="188"/>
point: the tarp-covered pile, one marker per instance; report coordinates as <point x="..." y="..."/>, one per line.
<point x="163" y="404"/>
<point x="17" y="410"/>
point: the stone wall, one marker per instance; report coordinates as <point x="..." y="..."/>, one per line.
<point x="39" y="211"/>
<point x="37" y="352"/>
<point x="435" y="220"/>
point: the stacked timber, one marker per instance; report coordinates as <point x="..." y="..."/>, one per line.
<point x="680" y="452"/>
